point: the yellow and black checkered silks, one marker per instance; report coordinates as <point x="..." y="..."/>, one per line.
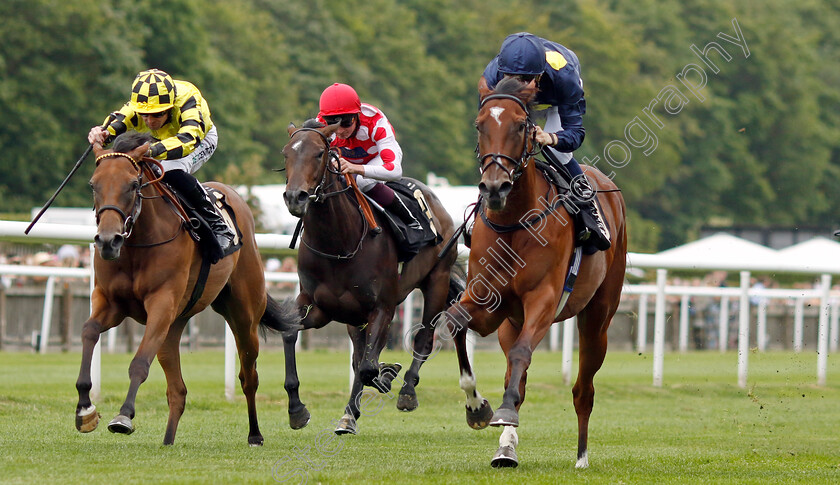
<point x="186" y="123"/>
<point x="153" y="91"/>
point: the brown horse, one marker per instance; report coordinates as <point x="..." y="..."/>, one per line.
<point x="146" y="266"/>
<point x="518" y="266"/>
<point x="350" y="274"/>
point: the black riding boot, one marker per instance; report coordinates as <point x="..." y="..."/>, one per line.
<point x="595" y="231"/>
<point x="398" y="208"/>
<point x="189" y="187"/>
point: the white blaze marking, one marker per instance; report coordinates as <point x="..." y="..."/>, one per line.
<point x="495" y="112"/>
<point x="296" y="146"/>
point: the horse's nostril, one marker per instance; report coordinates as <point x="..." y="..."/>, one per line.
<point x="118" y="241"/>
<point x="302" y="197"/>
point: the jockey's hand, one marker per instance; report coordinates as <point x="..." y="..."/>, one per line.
<point x="97" y="136"/>
<point x="351" y="168"/>
<point x="544" y="138"/>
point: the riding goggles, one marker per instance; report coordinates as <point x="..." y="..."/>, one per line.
<point x="345" y="121"/>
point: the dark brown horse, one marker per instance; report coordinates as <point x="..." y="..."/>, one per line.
<point x="146" y="267"/>
<point x="518" y="265"/>
<point x="351" y="275"/>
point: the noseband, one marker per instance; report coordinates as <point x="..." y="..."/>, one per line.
<point x="495" y="158"/>
<point x="330" y="155"/>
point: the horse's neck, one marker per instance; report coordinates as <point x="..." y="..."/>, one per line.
<point x="156" y="222"/>
<point x="334" y="219"/>
<point x="524" y="197"/>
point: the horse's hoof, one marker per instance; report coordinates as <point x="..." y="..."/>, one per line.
<point x="121" y="424"/>
<point x="505" y="457"/>
<point x="387" y="373"/>
<point x="407" y="402"/>
<point x="299" y="419"/>
<point x="255" y="440"/>
<point x="480" y="418"/>
<point x="347" y="424"/>
<point x="583" y="461"/>
<point x="505" y="417"/>
<point x="87" y="419"/>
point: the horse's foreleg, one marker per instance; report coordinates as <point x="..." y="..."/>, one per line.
<point x="353" y="410"/>
<point x="519" y="355"/>
<point x="314" y="318"/>
<point x="87" y="417"/>
<point x="160" y="313"/>
<point x="169" y="357"/>
<point x="375" y="336"/>
<point x="478" y="409"/>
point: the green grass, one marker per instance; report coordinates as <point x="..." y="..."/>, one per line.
<point x="698" y="428"/>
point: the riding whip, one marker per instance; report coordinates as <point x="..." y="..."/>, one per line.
<point x="66" y="179"/>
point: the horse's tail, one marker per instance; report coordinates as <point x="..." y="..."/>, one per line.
<point x="457" y="283"/>
<point x="280" y="317"/>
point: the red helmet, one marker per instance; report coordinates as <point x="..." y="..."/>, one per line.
<point x="339" y="99"/>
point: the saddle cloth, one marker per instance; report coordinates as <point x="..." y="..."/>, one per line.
<point x="410" y="240"/>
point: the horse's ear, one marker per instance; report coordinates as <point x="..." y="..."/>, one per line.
<point x="140" y="151"/>
<point x="330" y="129"/>
<point x="483" y="90"/>
<point x="291" y="128"/>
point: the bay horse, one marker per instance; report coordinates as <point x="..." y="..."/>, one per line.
<point x="350" y="274"/>
<point x="146" y="266"/>
<point x="518" y="265"/>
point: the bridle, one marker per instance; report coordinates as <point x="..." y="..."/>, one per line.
<point x="520" y="164"/>
<point x="128" y="220"/>
<point x="330" y="155"/>
<point x="319" y="195"/>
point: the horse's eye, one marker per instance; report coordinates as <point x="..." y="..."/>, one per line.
<point x="320" y="155"/>
<point x="133" y="186"/>
<point x="522" y="127"/>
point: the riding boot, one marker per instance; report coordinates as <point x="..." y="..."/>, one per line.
<point x="188" y="186"/>
<point x="595" y="231"/>
<point x="398" y="208"/>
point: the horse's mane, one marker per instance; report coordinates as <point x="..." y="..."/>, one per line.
<point x="514" y="87"/>
<point x="130" y="140"/>
<point x="313" y="123"/>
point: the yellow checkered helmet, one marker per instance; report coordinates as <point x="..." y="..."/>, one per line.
<point x="153" y="91"/>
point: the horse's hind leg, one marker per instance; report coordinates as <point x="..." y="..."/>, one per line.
<point x="593" y="348"/>
<point x="87" y="417"/>
<point x="169" y="357"/>
<point x="434" y="301"/>
<point x="236" y="303"/>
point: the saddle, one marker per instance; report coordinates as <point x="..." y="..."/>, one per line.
<point x="410" y="240"/>
<point x="198" y="228"/>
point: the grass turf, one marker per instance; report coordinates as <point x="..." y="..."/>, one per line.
<point x="698" y="428"/>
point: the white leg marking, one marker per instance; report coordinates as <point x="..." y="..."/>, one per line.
<point x="509" y="437"/>
<point x="583" y="461"/>
<point x="88" y="410"/>
<point x="474" y="399"/>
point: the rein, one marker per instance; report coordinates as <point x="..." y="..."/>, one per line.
<point x="319" y="196"/>
<point x="143" y="167"/>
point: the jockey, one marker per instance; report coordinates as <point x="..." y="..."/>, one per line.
<point x="367" y="145"/>
<point x="176" y="114"/>
<point x="555" y="71"/>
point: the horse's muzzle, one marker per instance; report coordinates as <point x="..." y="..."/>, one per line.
<point x="297" y="201"/>
<point x="109" y="246"/>
<point x="495" y="193"/>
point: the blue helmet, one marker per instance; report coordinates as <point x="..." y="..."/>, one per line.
<point x="522" y="53"/>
